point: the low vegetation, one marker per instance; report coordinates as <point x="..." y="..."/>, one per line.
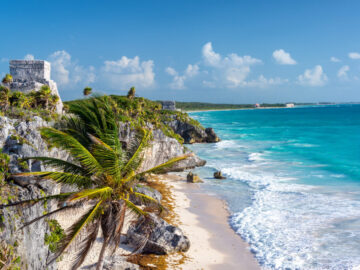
<point x="140" y="112"/>
<point x="16" y="104"/>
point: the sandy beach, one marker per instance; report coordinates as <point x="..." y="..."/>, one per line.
<point x="203" y="218"/>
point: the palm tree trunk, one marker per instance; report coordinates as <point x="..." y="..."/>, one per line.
<point x="100" y="263"/>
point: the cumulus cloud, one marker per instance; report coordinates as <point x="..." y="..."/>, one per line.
<point x="342" y="73"/>
<point x="263" y="82"/>
<point x="334" y="59"/>
<point x="66" y="72"/>
<point x="29" y="57"/>
<point x="313" y="77"/>
<point x="354" y="55"/>
<point x="283" y="58"/>
<point x="179" y="80"/>
<point x="230" y="71"/>
<point x="211" y="58"/>
<point x="127" y="72"/>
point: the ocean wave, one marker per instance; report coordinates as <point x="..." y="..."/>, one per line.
<point x="255" y="157"/>
<point x="289" y="228"/>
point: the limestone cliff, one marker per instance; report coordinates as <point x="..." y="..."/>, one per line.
<point x="22" y="139"/>
<point x="191" y="133"/>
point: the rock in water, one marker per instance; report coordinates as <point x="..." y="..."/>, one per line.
<point x="211" y="135"/>
<point x="218" y="175"/>
<point x="164" y="238"/>
<point x="193" y="178"/>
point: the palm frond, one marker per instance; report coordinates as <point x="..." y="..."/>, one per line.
<point x="59" y="164"/>
<point x="162" y="167"/>
<point x="150" y="200"/>
<point x="134" y="209"/>
<point x="102" y="193"/>
<point x="75" y="229"/>
<point x="47" y="215"/>
<point x="110" y="160"/>
<point x="61" y="177"/>
<point x="62" y="196"/>
<point x="86" y="244"/>
<point x="119" y="221"/>
<point x="134" y="161"/>
<point x="77" y="150"/>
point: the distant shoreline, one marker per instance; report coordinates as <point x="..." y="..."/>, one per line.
<point x="239" y="109"/>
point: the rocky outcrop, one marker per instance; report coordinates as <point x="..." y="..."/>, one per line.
<point x="20" y="140"/>
<point x="163" y="239"/>
<point x="161" y="149"/>
<point x="148" y="191"/>
<point x="114" y="263"/>
<point x="192" y="133"/>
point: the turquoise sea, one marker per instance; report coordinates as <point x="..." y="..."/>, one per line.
<point x="293" y="182"/>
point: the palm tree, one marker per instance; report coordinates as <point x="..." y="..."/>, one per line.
<point x="87" y="91"/>
<point x="102" y="171"/>
<point x="131" y="93"/>
<point x="7" y="79"/>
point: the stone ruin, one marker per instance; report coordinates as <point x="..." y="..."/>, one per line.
<point x="31" y="75"/>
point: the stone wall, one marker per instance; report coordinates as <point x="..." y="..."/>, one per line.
<point x="32" y="70"/>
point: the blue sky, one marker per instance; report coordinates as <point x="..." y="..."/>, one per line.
<point x="215" y="51"/>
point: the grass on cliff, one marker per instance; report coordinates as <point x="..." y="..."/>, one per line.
<point x="24" y="106"/>
<point x="139" y="111"/>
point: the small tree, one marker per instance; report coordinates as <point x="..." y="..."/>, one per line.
<point x="4" y="98"/>
<point x="87" y="91"/>
<point x="7" y="79"/>
<point x="131" y="93"/>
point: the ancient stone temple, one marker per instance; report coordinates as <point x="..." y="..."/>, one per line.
<point x="30" y="75"/>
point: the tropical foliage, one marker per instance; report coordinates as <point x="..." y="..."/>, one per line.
<point x="104" y="174"/>
<point x="87" y="91"/>
<point x="7" y="79"/>
<point x="17" y="104"/>
<point x="131" y="93"/>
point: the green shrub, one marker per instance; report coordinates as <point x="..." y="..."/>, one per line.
<point x="56" y="235"/>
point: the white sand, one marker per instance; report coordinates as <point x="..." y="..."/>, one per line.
<point x="203" y="219"/>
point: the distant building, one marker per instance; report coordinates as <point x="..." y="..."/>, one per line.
<point x="29" y="75"/>
<point x="168" y="105"/>
<point x="290" y="105"/>
<point x="257" y="105"/>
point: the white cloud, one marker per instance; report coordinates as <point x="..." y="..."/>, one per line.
<point x="334" y="59"/>
<point x="60" y="62"/>
<point x="29" y="57"/>
<point x="283" y="58"/>
<point x="127" y="72"/>
<point x="354" y="55"/>
<point x="313" y="77"/>
<point x="179" y="81"/>
<point x="230" y="71"/>
<point x="211" y="58"/>
<point x="342" y="73"/>
<point x="66" y="72"/>
<point x="264" y="82"/>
